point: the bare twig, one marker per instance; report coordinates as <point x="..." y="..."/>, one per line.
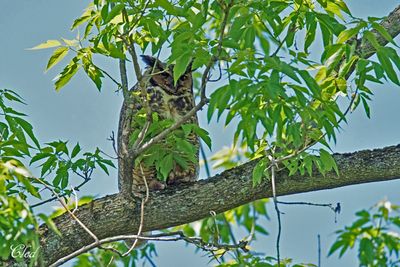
<point x="168" y="237"/>
<point x="142" y="87"/>
<point x="132" y="52"/>
<point x="231" y="234"/>
<point x="107" y="155"/>
<point x="219" y="74"/>
<point x="319" y="250"/>
<point x="111" y="78"/>
<point x="112" y="139"/>
<point x="278" y="212"/>
<point x="68" y="210"/>
<point x="76" y="199"/>
<point x="204" y="156"/>
<point x="331" y="206"/>
<point x="62" y="195"/>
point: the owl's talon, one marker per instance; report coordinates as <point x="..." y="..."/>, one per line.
<point x="156" y="185"/>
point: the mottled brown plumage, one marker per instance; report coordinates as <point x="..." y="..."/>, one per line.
<point x="169" y="101"/>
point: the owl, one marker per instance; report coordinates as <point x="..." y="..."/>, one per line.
<point x="168" y="101"/>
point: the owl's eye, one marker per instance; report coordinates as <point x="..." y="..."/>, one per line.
<point x="164" y="74"/>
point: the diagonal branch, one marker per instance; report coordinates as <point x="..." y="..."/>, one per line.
<point x="392" y="25"/>
<point x="120" y="215"/>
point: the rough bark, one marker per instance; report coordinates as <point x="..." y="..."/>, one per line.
<point x="116" y="215"/>
<point x="392" y="24"/>
<point x="125" y="160"/>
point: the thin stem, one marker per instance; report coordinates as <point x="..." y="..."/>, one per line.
<point x="69" y="211"/>
<point x="167" y="237"/>
<point x="144" y="201"/>
<point x="62" y="195"/>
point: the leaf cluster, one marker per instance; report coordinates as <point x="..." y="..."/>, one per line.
<point x="376" y="233"/>
<point x="20" y="148"/>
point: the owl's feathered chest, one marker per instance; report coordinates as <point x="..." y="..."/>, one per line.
<point x="169" y="106"/>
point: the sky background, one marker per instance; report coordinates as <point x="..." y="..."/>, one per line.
<point x="80" y="113"/>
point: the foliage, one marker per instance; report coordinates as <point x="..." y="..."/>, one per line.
<point x="281" y="98"/>
<point x="18" y="148"/>
<point x="249" y="260"/>
<point x="374" y="234"/>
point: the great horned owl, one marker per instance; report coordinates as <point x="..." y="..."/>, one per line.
<point x="170" y="102"/>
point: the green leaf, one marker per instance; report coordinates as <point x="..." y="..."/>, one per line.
<point x="185" y="146"/>
<point x="48" y="164"/>
<point x="203" y="134"/>
<point x="29" y="187"/>
<point x="219" y="99"/>
<point x="201" y="58"/>
<point x="261" y="230"/>
<point x="94" y="74"/>
<point x="289" y="71"/>
<point x="366" y="107"/>
<point x="258" y="172"/>
<point x="64" y="181"/>
<point x="311" y="83"/>
<point x="39" y="156"/>
<point x="337" y="245"/>
<point x="79" y="21"/>
<point x="107" y="162"/>
<point x="28" y="129"/>
<point x="387" y="65"/>
<point x="328" y="161"/>
<point x="367" y="253"/>
<point x="12" y="96"/>
<point x="115" y="52"/>
<point x="372" y="39"/>
<point x="344" y="36"/>
<point x="379" y="28"/>
<point x="181" y="65"/>
<point x="47" y="44"/>
<point x="344" y="69"/>
<point x="65" y="76"/>
<point x="76" y="150"/>
<point x="249" y="37"/>
<point x="166" y="165"/>
<point x="113" y="12"/>
<point x="49" y="222"/>
<point x="167" y="6"/>
<point x="180" y="161"/>
<point x="311" y="29"/>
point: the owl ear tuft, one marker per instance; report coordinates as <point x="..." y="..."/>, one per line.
<point x="151" y="61"/>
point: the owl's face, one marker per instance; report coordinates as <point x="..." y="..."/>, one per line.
<point x="164" y="77"/>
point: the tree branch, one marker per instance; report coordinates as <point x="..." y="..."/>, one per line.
<point x="116" y="215"/>
<point x="392" y="24"/>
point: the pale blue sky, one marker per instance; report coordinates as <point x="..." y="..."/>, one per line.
<point x="80" y="113"/>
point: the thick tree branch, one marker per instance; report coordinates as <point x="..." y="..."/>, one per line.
<point x="392" y="24"/>
<point x="116" y="214"/>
